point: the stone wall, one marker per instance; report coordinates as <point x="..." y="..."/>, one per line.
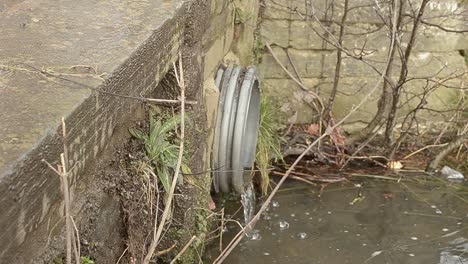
<point x="289" y="27"/>
<point x="138" y="57"/>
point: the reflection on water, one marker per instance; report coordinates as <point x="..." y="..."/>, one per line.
<point x="393" y="223"/>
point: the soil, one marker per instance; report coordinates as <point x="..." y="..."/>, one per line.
<point x="123" y="181"/>
<point x="114" y="215"/>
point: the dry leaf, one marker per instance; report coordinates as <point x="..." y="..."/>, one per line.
<point x="313" y="129"/>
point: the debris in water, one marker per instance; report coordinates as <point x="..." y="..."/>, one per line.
<point x="302" y="235"/>
<point x="451" y="174"/>
<point x="433" y="206"/>
<point x="445" y="229"/>
<point x="414" y="238"/>
<point x="275" y="204"/>
<point x="411" y="255"/>
<point x="284" y="225"/>
<point x="266" y="254"/>
<point x="376" y="253"/>
<point x="438" y="211"/>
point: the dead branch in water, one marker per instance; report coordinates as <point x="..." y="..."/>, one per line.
<point x="235" y="241"/>
<point x="458" y="141"/>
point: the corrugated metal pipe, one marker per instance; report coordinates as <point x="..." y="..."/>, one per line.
<point x="237" y="125"/>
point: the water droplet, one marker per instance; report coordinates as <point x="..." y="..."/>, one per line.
<point x="255" y="235"/>
<point x="302" y="235"/>
<point x="284" y="225"/>
<point x="438" y="211"/>
<point x="275" y="204"/>
<point x="414" y="238"/>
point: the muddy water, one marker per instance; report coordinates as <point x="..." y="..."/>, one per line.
<point x="390" y="223"/>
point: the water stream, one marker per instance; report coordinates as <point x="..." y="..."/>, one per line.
<point x="370" y="222"/>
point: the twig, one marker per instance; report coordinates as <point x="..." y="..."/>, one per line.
<point x="294" y="178"/>
<point x="165" y="215"/>
<point x="423" y="148"/>
<point x="375" y="177"/>
<point x="336" y="79"/>
<point x="121" y="256"/>
<point x="183" y="249"/>
<point x="165" y="251"/>
<point x="47" y="74"/>
<point x="221" y="231"/>
<point x="77" y="241"/>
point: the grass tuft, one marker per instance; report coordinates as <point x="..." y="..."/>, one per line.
<point x="269" y="142"/>
<point x="161" y="147"/>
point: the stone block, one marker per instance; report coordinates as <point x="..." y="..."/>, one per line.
<point x="277" y="9"/>
<point x="217" y="6"/>
<point x="434" y="39"/>
<point x="427" y="64"/>
<point x="369" y="38"/>
<point x="217" y="28"/>
<point x="229" y="31"/>
<point x="245" y="33"/>
<point x="287" y="96"/>
<point x="308" y="35"/>
<point x="213" y="56"/>
<point x="275" y="32"/>
<point x="308" y="63"/>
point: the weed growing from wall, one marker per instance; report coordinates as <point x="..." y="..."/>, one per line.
<point x="161" y="147"/>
